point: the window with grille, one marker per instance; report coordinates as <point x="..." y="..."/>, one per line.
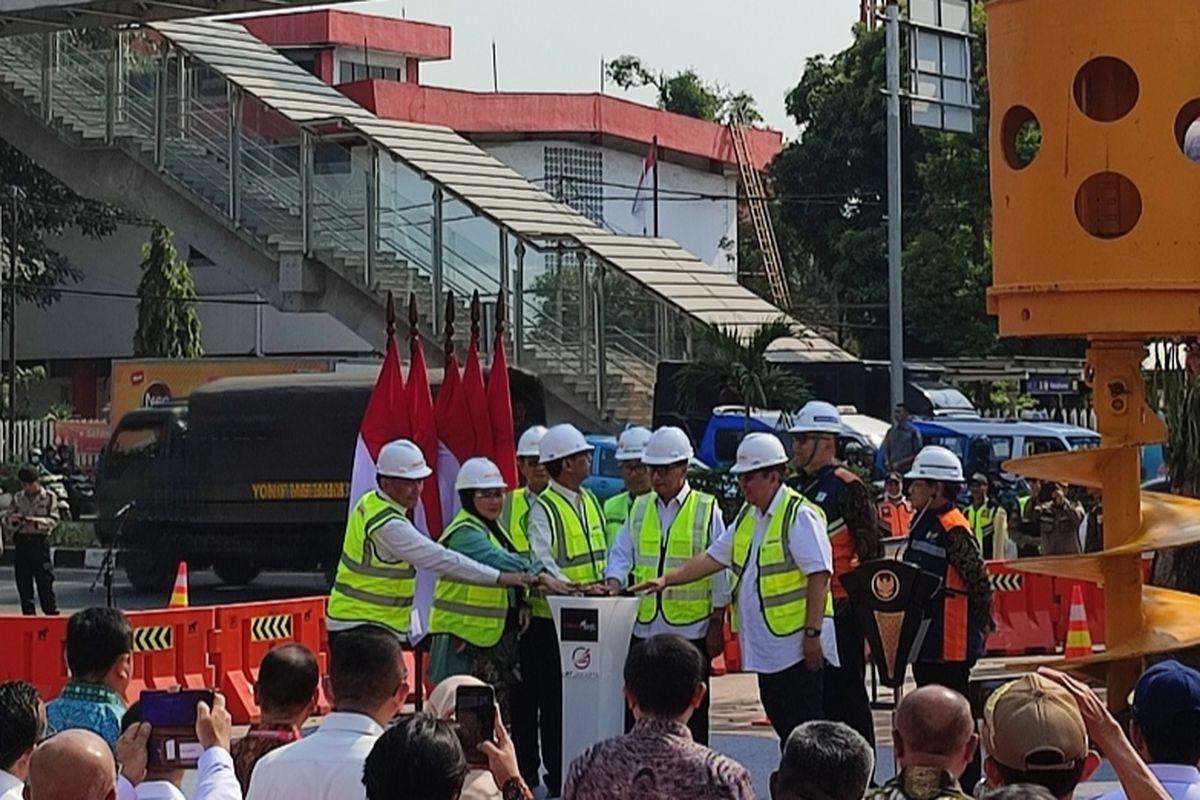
<point x="576" y="177"/>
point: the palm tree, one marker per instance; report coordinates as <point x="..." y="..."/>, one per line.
<point x="739" y="365"/>
<point x="1176" y="390"/>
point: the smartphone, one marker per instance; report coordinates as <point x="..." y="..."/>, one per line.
<point x="475" y="710"/>
<point x="172" y="718"/>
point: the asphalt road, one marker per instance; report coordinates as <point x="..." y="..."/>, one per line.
<point x="72" y="588"/>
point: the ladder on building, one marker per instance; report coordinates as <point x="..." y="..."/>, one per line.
<point x="760" y="215"/>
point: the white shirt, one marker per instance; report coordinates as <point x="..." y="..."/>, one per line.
<point x="215" y="780"/>
<point x="399" y="540"/>
<point x="328" y="765"/>
<point x="808" y="542"/>
<point x="10" y="787"/>
<point x="621" y="560"/>
<point x="1181" y="782"/>
<point x="541" y="540"/>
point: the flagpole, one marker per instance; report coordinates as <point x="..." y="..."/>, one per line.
<point x="419" y="649"/>
<point x="654" y="146"/>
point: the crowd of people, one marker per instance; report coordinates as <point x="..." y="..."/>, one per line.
<point x="1041" y="737"/>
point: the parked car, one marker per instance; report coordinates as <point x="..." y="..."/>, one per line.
<point x="726" y="426"/>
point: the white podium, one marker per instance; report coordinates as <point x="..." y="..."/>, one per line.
<point x="593" y="641"/>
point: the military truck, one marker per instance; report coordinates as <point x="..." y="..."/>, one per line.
<point x="248" y="474"/>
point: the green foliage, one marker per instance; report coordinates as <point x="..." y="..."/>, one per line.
<point x="721" y="485"/>
<point x="1006" y="396"/>
<point x="168" y="326"/>
<point x="47" y="210"/>
<point x="1176" y="391"/>
<point x="686" y="92"/>
<point x="27" y="377"/>
<point x="739" y="365"/>
<point x="61" y="411"/>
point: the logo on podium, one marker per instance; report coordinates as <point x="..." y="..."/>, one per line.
<point x="890" y="599"/>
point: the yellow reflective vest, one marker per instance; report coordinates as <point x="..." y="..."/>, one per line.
<point x="368" y="589"/>
<point x="688" y="536"/>
<point x="577" y="542"/>
<point x="474" y="613"/>
<point x="983" y="521"/>
<point x="515" y="517"/>
<point x="616" y="511"/>
<point x="782" y="585"/>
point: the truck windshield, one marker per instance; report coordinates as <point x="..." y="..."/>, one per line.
<point x="137" y="441"/>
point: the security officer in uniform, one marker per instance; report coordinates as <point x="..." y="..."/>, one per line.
<point x="377" y="575"/>
<point x="32" y="517"/>
<point x="668" y="527"/>
<point x="984" y="516"/>
<point x="566" y="536"/>
<point x="854" y="536"/>
<point x="941" y="542"/>
<point x="635" y="475"/>
<point x="781" y="560"/>
<point x="515" y="516"/>
<point x="895" y="512"/>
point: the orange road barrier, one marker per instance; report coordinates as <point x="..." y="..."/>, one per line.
<point x="34" y="650"/>
<point x="171" y="648"/>
<point x="246" y="631"/>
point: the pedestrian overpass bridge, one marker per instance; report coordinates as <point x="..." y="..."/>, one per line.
<point x="321" y="206"/>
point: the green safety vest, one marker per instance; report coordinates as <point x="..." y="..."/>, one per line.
<point x="474" y="613"/>
<point x="688" y="536"/>
<point x="515" y="517"/>
<point x="368" y="589"/>
<point x="782" y="585"/>
<point x="578" y="544"/>
<point x="616" y="511"/>
<point x="983" y="521"/>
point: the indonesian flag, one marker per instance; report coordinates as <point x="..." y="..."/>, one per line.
<point x="429" y="518"/>
<point x="385" y="420"/>
<point x="456" y="435"/>
<point x="476" y="400"/>
<point x="499" y="400"/>
<point x="639" y="195"/>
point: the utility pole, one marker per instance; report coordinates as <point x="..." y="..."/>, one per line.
<point x="14" y="196"/>
<point x="895" y="276"/>
<point x="654" y="145"/>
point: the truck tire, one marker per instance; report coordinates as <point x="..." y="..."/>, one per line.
<point x="235" y="573"/>
<point x="149" y="571"/>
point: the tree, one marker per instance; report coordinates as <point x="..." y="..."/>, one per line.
<point x="685" y="92"/>
<point x="168" y="326"/>
<point x="1175" y="391"/>
<point x="739" y="365"/>
<point x="46" y="209"/>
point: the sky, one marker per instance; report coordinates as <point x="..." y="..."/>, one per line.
<point x="557" y="45"/>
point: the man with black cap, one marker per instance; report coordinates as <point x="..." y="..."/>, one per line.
<point x="32" y="517"/>
<point x="986" y="518"/>
<point x="1165" y="728"/>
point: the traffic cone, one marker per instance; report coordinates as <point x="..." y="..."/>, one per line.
<point x="179" y="594"/>
<point x="1079" y="636"/>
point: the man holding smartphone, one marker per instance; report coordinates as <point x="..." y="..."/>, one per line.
<point x="32" y="517"/>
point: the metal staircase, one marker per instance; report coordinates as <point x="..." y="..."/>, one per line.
<point x="321" y="206"/>
<point x="760" y="216"/>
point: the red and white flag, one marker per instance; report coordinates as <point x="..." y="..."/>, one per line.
<point x="385" y="420"/>
<point x="476" y="400"/>
<point x="499" y="400"/>
<point x="456" y="435"/>
<point x="639" y="195"/>
<point x="425" y="435"/>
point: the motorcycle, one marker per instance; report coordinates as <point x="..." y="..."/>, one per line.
<point x="53" y="481"/>
<point x="81" y="489"/>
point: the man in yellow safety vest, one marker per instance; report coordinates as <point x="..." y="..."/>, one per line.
<point x="377" y="575"/>
<point x="635" y="476"/>
<point x="667" y="528"/>
<point x="517" y="503"/>
<point x="781" y="560"/>
<point x="566" y="537"/>
<point x="987" y="519"/>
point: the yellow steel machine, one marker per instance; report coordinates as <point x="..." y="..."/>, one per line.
<point x="1098" y="235"/>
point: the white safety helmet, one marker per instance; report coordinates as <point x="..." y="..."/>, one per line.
<point x="935" y="463"/>
<point x="759" y="451"/>
<point x="667" y="445"/>
<point x="402" y="459"/>
<point x="817" y="417"/>
<point x="527" y="446"/>
<point x="561" y="441"/>
<point x="479" y="473"/>
<point x="632" y="442"/>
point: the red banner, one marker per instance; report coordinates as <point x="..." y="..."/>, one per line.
<point x="88" y="437"/>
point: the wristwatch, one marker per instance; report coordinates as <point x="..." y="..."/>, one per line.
<point x="513" y="789"/>
<point x="812" y="633"/>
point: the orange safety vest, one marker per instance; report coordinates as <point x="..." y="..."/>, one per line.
<point x="895" y="517"/>
<point x="825" y="490"/>
<point x="950" y="636"/>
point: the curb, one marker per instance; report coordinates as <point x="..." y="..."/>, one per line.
<point x="67" y="557"/>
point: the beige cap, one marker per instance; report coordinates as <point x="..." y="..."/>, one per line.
<point x="1034" y="724"/>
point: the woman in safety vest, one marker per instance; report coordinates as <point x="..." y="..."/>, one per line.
<point x="475" y="628"/>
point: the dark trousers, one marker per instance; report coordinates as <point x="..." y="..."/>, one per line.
<point x="845" y="690"/>
<point x="32" y="564"/>
<point x="791" y="697"/>
<point x="698" y="724"/>
<point x="537" y="706"/>
<point x="954" y="675"/>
